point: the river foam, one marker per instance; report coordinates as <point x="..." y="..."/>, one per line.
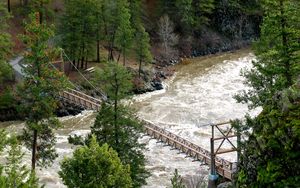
<point x="199" y="93"/>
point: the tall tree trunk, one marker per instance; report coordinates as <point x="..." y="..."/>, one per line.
<point x="98" y="37"/>
<point x="78" y="63"/>
<point x="111" y="48"/>
<point x="86" y="60"/>
<point x="118" y="57"/>
<point x="98" y="51"/>
<point x="286" y="59"/>
<point x="82" y="62"/>
<point x="8" y="5"/>
<point x="140" y="68"/>
<point x="41" y="17"/>
<point x="41" y="12"/>
<point x="116" y="113"/>
<point x="34" y="150"/>
<point x="110" y="54"/>
<point x="81" y="58"/>
<point x="35" y="132"/>
<point x="124" y="59"/>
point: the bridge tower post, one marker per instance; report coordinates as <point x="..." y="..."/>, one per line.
<point x="213" y="177"/>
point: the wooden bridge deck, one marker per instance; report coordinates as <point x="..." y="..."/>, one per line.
<point x="81" y="99"/>
<point x="223" y="167"/>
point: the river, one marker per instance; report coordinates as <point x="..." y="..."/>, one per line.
<point x="200" y="92"/>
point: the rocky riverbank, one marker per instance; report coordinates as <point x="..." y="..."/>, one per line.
<point x="151" y="80"/>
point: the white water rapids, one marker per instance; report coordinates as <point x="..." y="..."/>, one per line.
<point x="200" y="92"/>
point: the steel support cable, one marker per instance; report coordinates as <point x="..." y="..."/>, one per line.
<point x="75" y="86"/>
<point x="103" y="96"/>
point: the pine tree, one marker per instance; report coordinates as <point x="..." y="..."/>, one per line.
<point x="38" y="93"/>
<point x="110" y="17"/>
<point x="141" y="39"/>
<point x="142" y="47"/>
<point x="269" y="155"/>
<point x="16" y="174"/>
<point x="116" y="124"/>
<point x="99" y="26"/>
<point x="277" y="65"/>
<point x="124" y="33"/>
<point x="136" y="9"/>
<point x="95" y="166"/>
<point x="41" y="7"/>
<point x="5" y="45"/>
<point x="79" y="29"/>
<point x="203" y="8"/>
<point x="185" y="13"/>
<point x="177" y="180"/>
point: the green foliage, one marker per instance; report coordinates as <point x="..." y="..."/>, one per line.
<point x="118" y="29"/>
<point x="5" y="41"/>
<point x="142" y="47"/>
<point x="136" y="12"/>
<point x="78" y="28"/>
<point x="16" y="174"/>
<point x="38" y="93"/>
<point x="3" y="141"/>
<point x="41" y="6"/>
<point x="7" y="100"/>
<point x="6" y="72"/>
<point x="5" y="45"/>
<point x="124" y="33"/>
<point x="269" y="157"/>
<point x="185" y="10"/>
<point x="46" y="140"/>
<point x="278" y="53"/>
<point x="121" y="130"/>
<point x="95" y="166"/>
<point x="114" y="80"/>
<point x="116" y="124"/>
<point x="177" y="180"/>
<point x="193" y="14"/>
<point x="203" y="9"/>
<point x="106" y="23"/>
<point x="271" y="154"/>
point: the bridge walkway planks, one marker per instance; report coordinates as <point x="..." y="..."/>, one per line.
<point x="224" y="168"/>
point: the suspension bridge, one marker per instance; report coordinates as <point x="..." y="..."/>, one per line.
<point x="223" y="167"/>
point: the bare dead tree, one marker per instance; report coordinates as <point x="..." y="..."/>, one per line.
<point x="169" y="39"/>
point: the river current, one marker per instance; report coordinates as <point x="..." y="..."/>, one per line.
<point x="200" y="92"/>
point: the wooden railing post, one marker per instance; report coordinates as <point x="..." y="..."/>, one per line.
<point x="191" y="149"/>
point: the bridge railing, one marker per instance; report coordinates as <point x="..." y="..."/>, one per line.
<point x="224" y="168"/>
<point x="81" y="99"/>
<point x="85" y="96"/>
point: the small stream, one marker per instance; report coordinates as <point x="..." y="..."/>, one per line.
<point x="200" y="92"/>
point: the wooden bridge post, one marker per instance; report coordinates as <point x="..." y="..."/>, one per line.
<point x="213" y="177"/>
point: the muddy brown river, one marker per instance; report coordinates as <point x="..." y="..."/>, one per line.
<point x="200" y="92"/>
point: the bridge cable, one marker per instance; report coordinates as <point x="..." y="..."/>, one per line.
<point x="74" y="85"/>
<point x="103" y="96"/>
